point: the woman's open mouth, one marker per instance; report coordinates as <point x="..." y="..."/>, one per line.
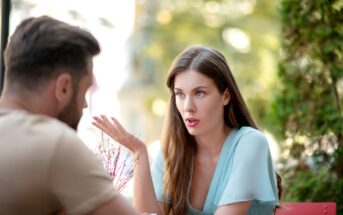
<point x="192" y="122"/>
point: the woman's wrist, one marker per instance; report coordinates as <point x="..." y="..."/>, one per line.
<point x="136" y="146"/>
<point x="141" y="155"/>
<point x="140" y="150"/>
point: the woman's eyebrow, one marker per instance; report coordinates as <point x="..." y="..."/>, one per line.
<point x="199" y="87"/>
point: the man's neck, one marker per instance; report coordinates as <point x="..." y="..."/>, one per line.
<point x="26" y="102"/>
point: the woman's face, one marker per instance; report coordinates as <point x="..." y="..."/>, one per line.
<point x="199" y="102"/>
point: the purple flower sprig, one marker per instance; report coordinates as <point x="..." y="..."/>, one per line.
<point x="118" y="163"/>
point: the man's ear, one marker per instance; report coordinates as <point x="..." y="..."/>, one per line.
<point x="226" y="97"/>
<point x="63" y="89"/>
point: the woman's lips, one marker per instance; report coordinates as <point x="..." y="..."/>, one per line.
<point x="192" y="122"/>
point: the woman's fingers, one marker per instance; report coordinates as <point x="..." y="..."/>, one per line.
<point x="99" y="123"/>
<point x="113" y="128"/>
<point x="118" y="125"/>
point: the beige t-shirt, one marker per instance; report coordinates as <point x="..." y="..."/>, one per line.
<point x="45" y="168"/>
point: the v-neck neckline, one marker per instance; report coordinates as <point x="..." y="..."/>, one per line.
<point x="212" y="188"/>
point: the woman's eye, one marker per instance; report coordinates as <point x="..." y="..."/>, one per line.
<point x="178" y="94"/>
<point x="200" y="93"/>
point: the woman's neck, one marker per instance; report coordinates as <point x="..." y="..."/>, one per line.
<point x="211" y="143"/>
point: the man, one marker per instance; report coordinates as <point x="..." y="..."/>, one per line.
<point x="44" y="166"/>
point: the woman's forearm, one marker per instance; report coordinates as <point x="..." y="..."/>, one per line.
<point x="144" y="195"/>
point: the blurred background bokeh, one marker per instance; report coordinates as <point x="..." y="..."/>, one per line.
<point x="286" y="55"/>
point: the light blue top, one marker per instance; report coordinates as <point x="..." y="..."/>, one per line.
<point x="244" y="172"/>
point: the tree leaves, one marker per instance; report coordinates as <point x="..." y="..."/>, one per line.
<point x="310" y="105"/>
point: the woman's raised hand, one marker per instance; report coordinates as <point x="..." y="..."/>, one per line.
<point x="144" y="194"/>
<point x="117" y="132"/>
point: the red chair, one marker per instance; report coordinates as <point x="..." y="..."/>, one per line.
<point x="307" y="208"/>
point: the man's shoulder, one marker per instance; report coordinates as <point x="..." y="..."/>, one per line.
<point x="36" y="127"/>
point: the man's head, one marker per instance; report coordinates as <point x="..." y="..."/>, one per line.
<point x="44" y="52"/>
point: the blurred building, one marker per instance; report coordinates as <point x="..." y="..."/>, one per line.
<point x="142" y="113"/>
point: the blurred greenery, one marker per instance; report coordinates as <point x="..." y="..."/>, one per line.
<point x="309" y="107"/>
<point x="167" y="27"/>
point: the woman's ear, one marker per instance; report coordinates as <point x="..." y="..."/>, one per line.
<point x="226" y="97"/>
<point x="63" y="89"/>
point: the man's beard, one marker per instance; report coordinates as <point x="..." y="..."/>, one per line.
<point x="71" y="114"/>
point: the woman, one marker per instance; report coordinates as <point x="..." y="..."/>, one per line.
<point x="213" y="159"/>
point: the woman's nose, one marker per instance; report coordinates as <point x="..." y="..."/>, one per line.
<point x="189" y="105"/>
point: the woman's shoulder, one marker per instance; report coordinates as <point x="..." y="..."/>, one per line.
<point x="251" y="137"/>
<point x="248" y="132"/>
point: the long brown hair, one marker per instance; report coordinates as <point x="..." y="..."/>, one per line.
<point x="178" y="146"/>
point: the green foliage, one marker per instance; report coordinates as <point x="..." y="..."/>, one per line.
<point x="309" y="107"/>
<point x="175" y="25"/>
<point x="316" y="186"/>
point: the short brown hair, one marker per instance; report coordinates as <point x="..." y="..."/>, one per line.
<point x="40" y="47"/>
